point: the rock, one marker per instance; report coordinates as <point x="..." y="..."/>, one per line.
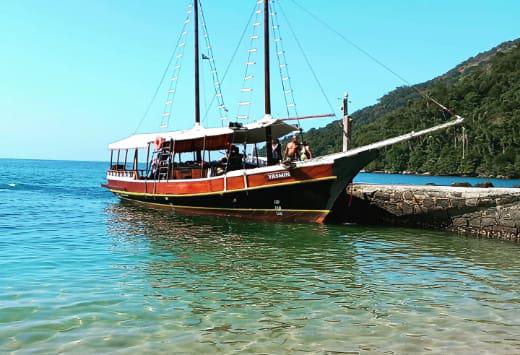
<point x="379" y="195"/>
<point x="461" y="184"/>
<point x="458" y="203"/>
<point x="460" y="222"/>
<point x="504" y="200"/>
<point x="515" y="215"/>
<point x="408" y="195"/>
<point x="427" y="203"/>
<point x="407" y="208"/>
<point x="505" y="230"/>
<point x="472" y="202"/>
<point x="418" y="210"/>
<point x="486" y="202"/>
<point x="486" y="184"/>
<point x="394" y="209"/>
<point x="493" y="213"/>
<point x="487" y="222"/>
<point x="508" y="222"/>
<point x="474" y="222"/>
<point x="442" y="203"/>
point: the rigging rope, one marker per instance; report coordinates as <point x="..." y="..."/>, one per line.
<point x="174" y="80"/>
<point x="213" y="69"/>
<point x="374" y="59"/>
<point x="307" y="59"/>
<point x="284" y="71"/>
<point x="287" y="90"/>
<point x="231" y="59"/>
<point x="154" y="96"/>
<point x="246" y="90"/>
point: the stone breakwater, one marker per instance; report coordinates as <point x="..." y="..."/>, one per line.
<point x="484" y="212"/>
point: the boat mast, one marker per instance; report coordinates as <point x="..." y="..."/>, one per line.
<point x="196" y="34"/>
<point x="197" y="81"/>
<point x="267" y="84"/>
<point x="347" y="124"/>
<point x="267" y="81"/>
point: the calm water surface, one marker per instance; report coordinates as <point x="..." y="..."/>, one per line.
<point x="81" y="272"/>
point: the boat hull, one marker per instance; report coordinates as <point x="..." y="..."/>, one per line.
<point x="305" y="193"/>
<point x="273" y="215"/>
<point x="304" y="201"/>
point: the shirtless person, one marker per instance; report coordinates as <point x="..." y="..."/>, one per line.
<point x="291" y="149"/>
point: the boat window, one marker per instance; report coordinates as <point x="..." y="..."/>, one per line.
<point x="163" y="163"/>
<point x="115" y="162"/>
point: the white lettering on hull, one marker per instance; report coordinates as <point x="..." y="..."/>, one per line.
<point x="278" y="175"/>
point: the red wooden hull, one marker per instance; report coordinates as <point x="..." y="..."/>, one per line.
<point x="273" y="194"/>
<point x="216" y="184"/>
<point x="297" y="216"/>
<point x="305" y="193"/>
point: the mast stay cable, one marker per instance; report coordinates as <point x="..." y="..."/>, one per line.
<point x="374" y="59"/>
<point x="246" y="91"/>
<point x="213" y="69"/>
<point x="174" y="79"/>
<point x="231" y="59"/>
<point x="285" y="78"/>
<point x="306" y="59"/>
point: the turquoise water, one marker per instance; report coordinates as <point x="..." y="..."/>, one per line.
<point x="380" y="178"/>
<point x="81" y="272"/>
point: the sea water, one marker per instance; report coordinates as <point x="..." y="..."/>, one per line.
<point x="82" y="272"/>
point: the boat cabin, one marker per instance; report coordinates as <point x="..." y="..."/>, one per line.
<point x="196" y="153"/>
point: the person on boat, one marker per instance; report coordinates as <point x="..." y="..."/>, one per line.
<point x="234" y="159"/>
<point x="277" y="151"/>
<point x="231" y="161"/>
<point x="305" y="151"/>
<point x="291" y="149"/>
<point x="154" y="168"/>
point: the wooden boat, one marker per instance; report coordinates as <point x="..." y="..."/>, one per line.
<point x="301" y="191"/>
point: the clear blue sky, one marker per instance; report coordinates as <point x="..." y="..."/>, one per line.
<point x="77" y="75"/>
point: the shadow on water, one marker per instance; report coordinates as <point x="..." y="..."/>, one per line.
<point x="234" y="259"/>
<point x="167" y="230"/>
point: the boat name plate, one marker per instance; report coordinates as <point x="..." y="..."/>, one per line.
<point x="278" y="175"/>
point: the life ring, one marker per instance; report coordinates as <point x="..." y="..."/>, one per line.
<point x="158" y="142"/>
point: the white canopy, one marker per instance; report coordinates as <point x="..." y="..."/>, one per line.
<point x="250" y="134"/>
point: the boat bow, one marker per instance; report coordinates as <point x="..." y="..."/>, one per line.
<point x="375" y="147"/>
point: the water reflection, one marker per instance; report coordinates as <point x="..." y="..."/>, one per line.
<point x="264" y="257"/>
<point x="241" y="285"/>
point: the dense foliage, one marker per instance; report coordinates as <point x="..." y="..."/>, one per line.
<point x="484" y="89"/>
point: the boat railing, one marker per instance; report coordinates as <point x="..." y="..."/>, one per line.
<point x="127" y="173"/>
<point x="182" y="171"/>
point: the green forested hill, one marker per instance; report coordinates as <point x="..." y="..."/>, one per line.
<point x="484" y="89"/>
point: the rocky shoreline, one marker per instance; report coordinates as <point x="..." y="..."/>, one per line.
<point x="483" y="212"/>
<point x="409" y="172"/>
